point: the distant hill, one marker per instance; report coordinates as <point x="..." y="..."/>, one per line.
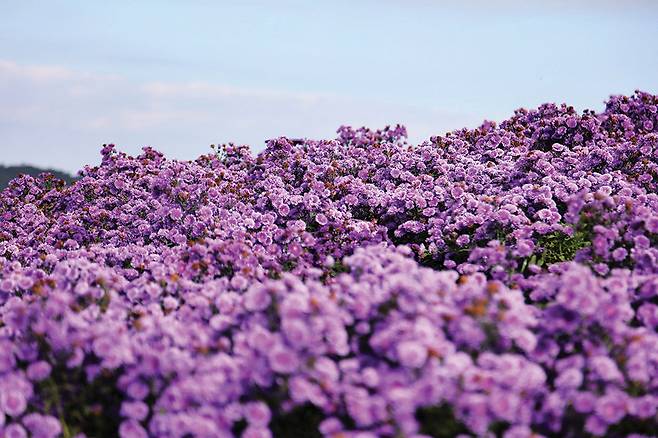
<point x="7" y="173"/>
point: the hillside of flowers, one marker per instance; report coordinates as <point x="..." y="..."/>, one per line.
<point x="497" y="282"/>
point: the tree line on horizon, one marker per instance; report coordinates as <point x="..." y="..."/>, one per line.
<point x="8" y="173"/>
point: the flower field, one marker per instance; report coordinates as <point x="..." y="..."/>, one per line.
<point x="499" y="281"/>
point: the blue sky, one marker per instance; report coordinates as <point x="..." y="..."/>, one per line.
<point x="182" y="75"/>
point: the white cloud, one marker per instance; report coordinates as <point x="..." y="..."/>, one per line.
<point x="206" y="90"/>
<point x="56" y="116"/>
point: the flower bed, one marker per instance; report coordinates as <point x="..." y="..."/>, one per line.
<point x="499" y="281"/>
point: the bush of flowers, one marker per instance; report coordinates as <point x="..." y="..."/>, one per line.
<point x="499" y="281"/>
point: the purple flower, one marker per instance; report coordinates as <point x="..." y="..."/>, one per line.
<point x="584" y="402"/>
<point x="132" y="429"/>
<point x="283" y="360"/>
<point x="7" y="359"/>
<point x="297" y="333"/>
<point x="611" y="407"/>
<point x="644" y="407"/>
<point x="619" y="254"/>
<point x="330" y="426"/>
<point x="191" y="288"/>
<point x="321" y="219"/>
<point x="14" y="430"/>
<point x="651" y="224"/>
<point x="12" y="402"/>
<point x="256" y="432"/>
<point x="257" y="298"/>
<point x="38" y="371"/>
<point x="176" y="214"/>
<point x="456" y="192"/>
<point x="411" y="354"/>
<point x="605" y="368"/>
<point x="257" y="414"/>
<point x="137" y="390"/>
<point x="504" y="405"/>
<point x="519" y="432"/>
<point x="569" y="379"/>
<point x="42" y="426"/>
<point x="595" y="425"/>
<point x="136" y="410"/>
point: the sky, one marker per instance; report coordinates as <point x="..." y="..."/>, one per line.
<point x="181" y="75"/>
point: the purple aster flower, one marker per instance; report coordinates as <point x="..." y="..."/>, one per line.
<point x="137" y="390"/>
<point x="584" y="402"/>
<point x="605" y="368"/>
<point x="463" y="240"/>
<point x="12" y="402"/>
<point x="7" y="285"/>
<point x="14" y="430"/>
<point x="42" y="426"/>
<point x="283" y="360"/>
<point x="619" y="254"/>
<point x="519" y="432"/>
<point x="611" y="407"/>
<point x="596" y="425"/>
<point x="648" y="313"/>
<point x="297" y="333"/>
<point x="257" y="298"/>
<point x="136" y="410"/>
<point x="643" y="407"/>
<point x="651" y="224"/>
<point x="569" y="379"/>
<point x="641" y="241"/>
<point x="239" y="282"/>
<point x="7" y="358"/>
<point x="257" y="414"/>
<point x="504" y="405"/>
<point x="321" y="219"/>
<point x="411" y="354"/>
<point x="456" y="192"/>
<point x="132" y="429"/>
<point x="176" y="214"/>
<point x="256" y="432"/>
<point x="370" y="377"/>
<point x="330" y="426"/>
<point x="38" y="371"/>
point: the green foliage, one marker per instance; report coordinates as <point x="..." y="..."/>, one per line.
<point x="288" y="265"/>
<point x="558" y="247"/>
<point x="440" y="422"/>
<point x="303" y="421"/>
<point x="82" y="406"/>
<point x="338" y="268"/>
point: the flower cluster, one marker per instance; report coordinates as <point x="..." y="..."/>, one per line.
<point x="500" y="281"/>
